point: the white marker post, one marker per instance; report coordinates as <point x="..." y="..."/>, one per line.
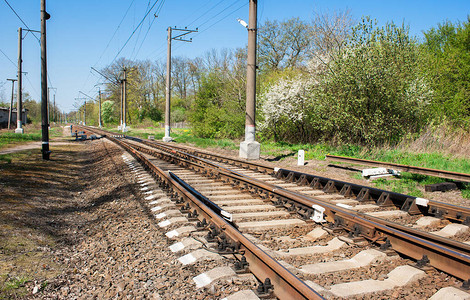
<point x="301" y="158"/>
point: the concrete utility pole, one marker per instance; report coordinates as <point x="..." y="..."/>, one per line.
<point x="122" y="101"/>
<point x="53" y="111"/>
<point x="167" y="137"/>
<point x="99" y="108"/>
<point x="19" y="128"/>
<point x="84" y="112"/>
<point x="44" y="120"/>
<point x="250" y="149"/>
<point x="10" y="113"/>
<point x="124" y="106"/>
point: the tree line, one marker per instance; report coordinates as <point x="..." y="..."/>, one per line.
<point x="331" y="78"/>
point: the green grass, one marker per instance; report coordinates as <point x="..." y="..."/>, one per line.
<point x="408" y="184"/>
<point x="13" y="288"/>
<point x="180" y="135"/>
<point x="9" y="138"/>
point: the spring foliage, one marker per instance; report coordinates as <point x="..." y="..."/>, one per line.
<point x="372" y="91"/>
<point x="321" y="81"/>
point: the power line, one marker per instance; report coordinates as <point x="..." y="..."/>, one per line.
<point x="32" y="86"/>
<point x="162" y="51"/>
<point x="150" y="26"/>
<point x="138" y="26"/>
<point x="207" y="11"/>
<point x="21" y="19"/>
<point x="220" y="13"/>
<point x="218" y="21"/>
<point x="114" y="34"/>
<point x="8" y="58"/>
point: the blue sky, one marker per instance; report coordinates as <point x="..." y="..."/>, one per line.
<point x="79" y="31"/>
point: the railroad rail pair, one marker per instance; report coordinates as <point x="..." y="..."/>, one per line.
<point x="443" y="254"/>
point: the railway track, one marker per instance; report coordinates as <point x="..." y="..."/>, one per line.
<point x="303" y="222"/>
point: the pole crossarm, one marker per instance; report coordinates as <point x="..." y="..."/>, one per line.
<point x="185" y="32"/>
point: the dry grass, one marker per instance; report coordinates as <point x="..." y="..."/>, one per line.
<point x="442" y="139"/>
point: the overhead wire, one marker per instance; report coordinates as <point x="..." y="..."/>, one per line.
<point x="218" y="21"/>
<point x="138" y="34"/>
<point x="162" y="51"/>
<point x="8" y="58"/>
<point x="132" y="34"/>
<point x="207" y="11"/>
<point x="32" y="86"/>
<point x="21" y="19"/>
<point x="150" y="26"/>
<point x="114" y="34"/>
<point x="235" y="2"/>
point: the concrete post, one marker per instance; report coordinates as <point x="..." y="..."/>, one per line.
<point x="301" y="158"/>
<point x="124" y="101"/>
<point x="19" y="105"/>
<point x="99" y="108"/>
<point x="167" y="137"/>
<point x="84" y="113"/>
<point x="250" y="149"/>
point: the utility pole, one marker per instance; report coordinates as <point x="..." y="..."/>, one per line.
<point x="99" y="108"/>
<point x="124" y="100"/>
<point x="44" y="121"/>
<point x="10" y="114"/>
<point x="50" y="105"/>
<point x="19" y="128"/>
<point x="250" y="149"/>
<point x="53" y="111"/>
<point x="84" y="113"/>
<point x="167" y="137"/>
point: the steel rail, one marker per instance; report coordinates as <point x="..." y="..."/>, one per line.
<point x="444" y="254"/>
<point x="411" y="204"/>
<point x="441" y="254"/>
<point x="286" y="285"/>
<point x="404" y="168"/>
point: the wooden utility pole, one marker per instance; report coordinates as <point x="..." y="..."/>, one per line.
<point x="44" y="120"/>
<point x="167" y="137"/>
<point x="250" y="149"/>
<point x="10" y="113"/>
<point x="19" y="128"/>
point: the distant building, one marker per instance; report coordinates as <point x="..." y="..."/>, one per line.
<point x="4" y="111"/>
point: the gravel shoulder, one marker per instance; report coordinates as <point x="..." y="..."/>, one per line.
<point x="75" y="228"/>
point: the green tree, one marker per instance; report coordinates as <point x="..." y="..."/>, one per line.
<point x="449" y="49"/>
<point x="107" y="112"/>
<point x="376" y="89"/>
